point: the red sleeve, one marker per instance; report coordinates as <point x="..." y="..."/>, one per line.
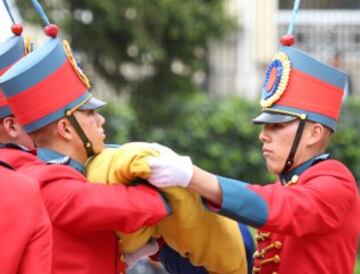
<point x="25" y="230"/>
<point x="37" y="257"/>
<point x="319" y="202"/>
<point x="80" y="206"/>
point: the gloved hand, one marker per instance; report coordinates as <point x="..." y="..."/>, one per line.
<point x="169" y="169"/>
<point x="147" y="250"/>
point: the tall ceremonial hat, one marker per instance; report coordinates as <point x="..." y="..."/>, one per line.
<point x="47" y="84"/>
<point x="11" y="50"/>
<point x="297" y="86"/>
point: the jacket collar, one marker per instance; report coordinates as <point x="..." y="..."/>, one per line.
<point x="14" y="146"/>
<point x="52" y="157"/>
<point x="286" y="177"/>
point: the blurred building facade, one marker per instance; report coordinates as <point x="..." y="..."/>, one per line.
<point x="329" y="30"/>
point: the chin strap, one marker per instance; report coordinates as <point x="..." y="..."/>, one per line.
<point x="85" y="140"/>
<point x="290" y="159"/>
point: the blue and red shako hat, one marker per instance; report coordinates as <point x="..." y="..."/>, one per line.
<point x="11" y="50"/>
<point x="298" y="86"/>
<point x="46" y="84"/>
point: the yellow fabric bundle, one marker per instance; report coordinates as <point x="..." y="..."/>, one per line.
<point x="207" y="239"/>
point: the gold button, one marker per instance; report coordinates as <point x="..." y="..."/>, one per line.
<point x="258" y="254"/>
<point x="122" y="258"/>
<point x="278" y="244"/>
<point x="276" y="259"/>
<point x="294" y="179"/>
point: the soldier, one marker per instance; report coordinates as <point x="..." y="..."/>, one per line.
<point x="25" y="229"/>
<point x="48" y="94"/>
<point x="311" y="214"/>
<point x="11" y="50"/>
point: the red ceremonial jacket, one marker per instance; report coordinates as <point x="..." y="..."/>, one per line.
<point x="84" y="215"/>
<point x="25" y="229"/>
<point x="310" y="225"/>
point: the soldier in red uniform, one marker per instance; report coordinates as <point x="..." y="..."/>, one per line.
<point x="12" y="50"/>
<point x="48" y="94"/>
<point x="25" y="229"/>
<point x="309" y="220"/>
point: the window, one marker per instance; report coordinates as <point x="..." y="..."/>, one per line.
<point x="322" y="4"/>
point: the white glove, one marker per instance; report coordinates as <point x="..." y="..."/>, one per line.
<point x="169" y="169"/>
<point x="147" y="250"/>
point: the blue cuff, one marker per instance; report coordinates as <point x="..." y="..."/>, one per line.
<point x="242" y="204"/>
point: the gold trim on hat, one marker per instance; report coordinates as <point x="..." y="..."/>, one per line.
<point x="286" y="63"/>
<point x="74" y="64"/>
<point x="69" y="112"/>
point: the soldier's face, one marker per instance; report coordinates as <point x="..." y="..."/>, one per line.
<point x="92" y="124"/>
<point x="277" y="140"/>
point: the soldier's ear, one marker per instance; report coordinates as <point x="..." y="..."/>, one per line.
<point x="11" y="127"/>
<point x="316" y="133"/>
<point x="64" y="129"/>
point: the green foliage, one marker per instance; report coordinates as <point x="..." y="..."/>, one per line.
<point x="151" y="49"/>
<point x="346" y="142"/>
<point x="219" y="136"/>
<point x="357" y="266"/>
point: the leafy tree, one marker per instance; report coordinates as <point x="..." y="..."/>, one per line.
<point x="346" y="143"/>
<point x="152" y="49"/>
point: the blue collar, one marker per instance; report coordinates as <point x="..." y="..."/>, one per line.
<point x="286" y="177"/>
<point x="52" y="157"/>
<point x="112" y="145"/>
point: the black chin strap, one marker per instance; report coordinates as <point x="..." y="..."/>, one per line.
<point x="86" y="142"/>
<point x="290" y="159"/>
